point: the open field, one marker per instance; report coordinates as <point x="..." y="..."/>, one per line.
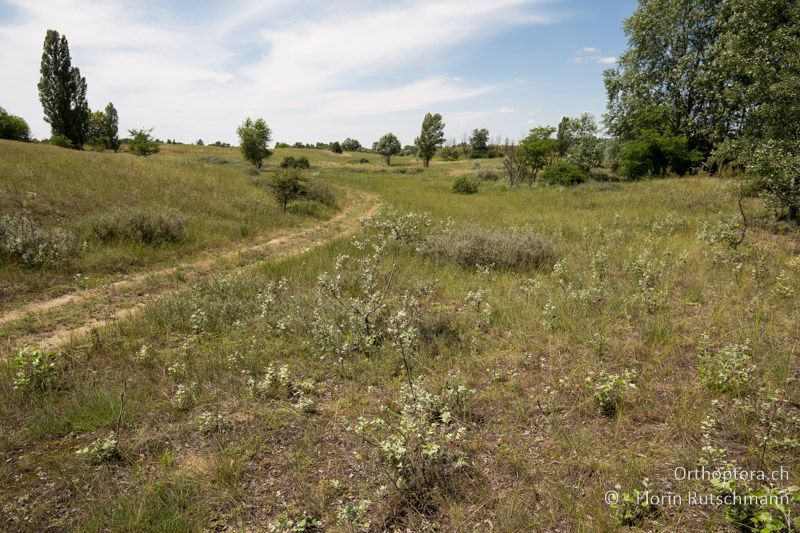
<point x="511" y="396"/>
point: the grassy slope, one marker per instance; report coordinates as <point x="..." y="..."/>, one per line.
<point x="209" y="186"/>
<point x="540" y="454"/>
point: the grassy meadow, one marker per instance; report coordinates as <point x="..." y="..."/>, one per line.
<point x="406" y="389"/>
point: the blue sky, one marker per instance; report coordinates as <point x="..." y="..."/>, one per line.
<point x="321" y="71"/>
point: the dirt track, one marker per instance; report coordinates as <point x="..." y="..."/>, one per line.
<point x="94" y="308"/>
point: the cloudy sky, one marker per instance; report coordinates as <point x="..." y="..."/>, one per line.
<point x="320" y="71"/>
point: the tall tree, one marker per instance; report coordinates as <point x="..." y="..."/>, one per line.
<point x="667" y="63"/>
<point x="254" y="138"/>
<point x="387" y="146"/>
<point x="536" y="150"/>
<point x="430" y="137"/>
<point x="62" y="91"/>
<point x="479" y="140"/>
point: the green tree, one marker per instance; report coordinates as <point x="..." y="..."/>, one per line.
<point x="479" y="141"/>
<point x="351" y="145"/>
<point x="387" y="146"/>
<point x="103" y="128"/>
<point x="431" y="137"/>
<point x="449" y="153"/>
<point x="287" y="186"/>
<point x="13" y="127"/>
<point x="563" y="137"/>
<point x="336" y="148"/>
<point x="667" y="63"/>
<point x="585" y="148"/>
<point x="62" y="91"/>
<point x="142" y="143"/>
<point x="536" y="150"/>
<point x="254" y="138"/>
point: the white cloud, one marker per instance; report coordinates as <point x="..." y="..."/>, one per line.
<point x="591" y="54"/>
<point x="293" y="62"/>
<point x="505" y="110"/>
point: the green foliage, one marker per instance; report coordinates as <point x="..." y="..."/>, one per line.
<point x="449" y="153"/>
<point x="631" y="508"/>
<point x="535" y="151"/>
<point x="585" y="149"/>
<point x="431" y="137"/>
<point x="351" y="145"/>
<point x="142" y="143"/>
<point x="609" y="389"/>
<point x="563" y="173"/>
<point x="33" y="246"/>
<point x="336" y="148"/>
<point x="487" y="175"/>
<point x="287" y="186"/>
<point x="147" y="226"/>
<point x="101" y="450"/>
<point x="479" y="142"/>
<point x="465" y="185"/>
<point x="13" y="128"/>
<point x="727" y="371"/>
<point x="254" y="138"/>
<point x="387" y="146"/>
<point x="62" y="141"/>
<point x="300" y="522"/>
<point x="103" y="128"/>
<point x="62" y="91"/>
<point x="36" y="370"/>
<point x="653" y="153"/>
<point x="291" y="162"/>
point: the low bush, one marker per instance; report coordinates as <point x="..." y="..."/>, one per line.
<point x="215" y="159"/>
<point x="290" y="162"/>
<point x="465" y="185"/>
<point x="504" y="249"/>
<point x="318" y="191"/>
<point x="146" y="226"/>
<point x="26" y="242"/>
<point x="449" y="153"/>
<point x="564" y="174"/>
<point x="487" y="175"/>
<point x="62" y="141"/>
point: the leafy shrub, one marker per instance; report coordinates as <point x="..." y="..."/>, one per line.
<point x="449" y="153"/>
<point x="609" y="389"/>
<point x="729" y="370"/>
<point x="505" y="249"/>
<point x="287" y="186"/>
<point x="290" y="162"/>
<point x="465" y="185"/>
<point x="487" y="175"/>
<point x="654" y="153"/>
<point x="62" y="141"/>
<point x="422" y="449"/>
<point x="363" y="160"/>
<point x="101" y="450"/>
<point x="36" y="370"/>
<point x="318" y="191"/>
<point x="26" y="242"/>
<point x="13" y="127"/>
<point x="563" y="174"/>
<point x="149" y="227"/>
<point x="631" y="508"/>
<point x="142" y="143"/>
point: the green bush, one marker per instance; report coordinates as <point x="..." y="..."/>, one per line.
<point x="465" y="185"/>
<point x="449" y="153"/>
<point x="654" y="153"/>
<point x="24" y="241"/>
<point x="13" y="127"/>
<point x="62" y="141"/>
<point x="504" y="249"/>
<point x="142" y="143"/>
<point x="487" y="175"/>
<point x="318" y="191"/>
<point x="563" y="173"/>
<point x="148" y="227"/>
<point x="290" y="162"/>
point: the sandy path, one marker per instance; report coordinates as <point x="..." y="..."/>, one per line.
<point x="359" y="207"/>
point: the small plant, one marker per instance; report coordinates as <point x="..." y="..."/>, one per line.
<point x="280" y="385"/>
<point x="609" y="389"/>
<point x="465" y="185"/>
<point x="33" y="246"/>
<point x="101" y="450"/>
<point x="36" y="370"/>
<point x="632" y="508"/>
<point x="354" y="515"/>
<point x="209" y="423"/>
<point x="294" y="523"/>
<point x="183" y="397"/>
<point x="728" y="370"/>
